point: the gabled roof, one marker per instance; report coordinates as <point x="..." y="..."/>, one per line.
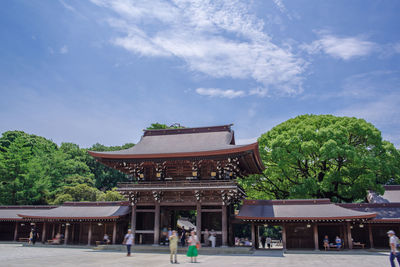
<point x="10" y="213"/>
<point x="210" y="141"/>
<point x="79" y="211"/>
<point x="385" y="212"/>
<point x="298" y="210"/>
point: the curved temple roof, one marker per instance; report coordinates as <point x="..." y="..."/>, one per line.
<point x="184" y="143"/>
<point x="296" y="210"/>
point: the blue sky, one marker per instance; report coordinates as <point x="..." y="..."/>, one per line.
<point x="101" y="71"/>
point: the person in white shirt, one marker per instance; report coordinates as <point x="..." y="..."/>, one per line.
<point x="394" y="253"/>
<point x="269" y="241"/>
<point x="128" y="241"/>
<point x="212" y="238"/>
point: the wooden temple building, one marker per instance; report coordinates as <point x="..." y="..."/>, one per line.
<point x="192" y="173"/>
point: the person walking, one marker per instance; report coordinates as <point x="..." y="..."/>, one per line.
<point x="393" y="243"/>
<point x="193" y="244"/>
<point x="173" y="246"/>
<point x="263" y="240"/>
<point x="128" y="241"/>
<point x="269" y="241"/>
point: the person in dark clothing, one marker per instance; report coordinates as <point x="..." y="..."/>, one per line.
<point x="35" y="236"/>
<point x="263" y="239"/>
<point x="183" y="237"/>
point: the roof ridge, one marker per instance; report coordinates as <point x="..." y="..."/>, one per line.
<point x="203" y="129"/>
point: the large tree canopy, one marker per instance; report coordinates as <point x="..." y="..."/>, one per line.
<point x="34" y="170"/>
<point x="323" y="156"/>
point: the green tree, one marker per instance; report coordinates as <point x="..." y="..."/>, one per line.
<point x="105" y="177"/>
<point x="160" y="126"/>
<point x="323" y="156"/>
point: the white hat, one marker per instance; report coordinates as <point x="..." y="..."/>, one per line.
<point x="390" y="232"/>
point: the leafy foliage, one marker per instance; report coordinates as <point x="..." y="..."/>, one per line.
<point x="34" y="170"/>
<point x="160" y="126"/>
<point x="323" y="156"/>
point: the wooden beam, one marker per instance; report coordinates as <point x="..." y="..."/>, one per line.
<point x="133" y="222"/>
<point x="371" y="237"/>
<point x="284" y="236"/>
<point x="90" y="234"/>
<point x="198" y="220"/>
<point x="66" y="233"/>
<point x="253" y="236"/>
<point x="53" y="232"/>
<point x="145" y="210"/>
<point x="73" y="234"/>
<point x="224" y="226"/>
<point x="157" y="224"/>
<point x="316" y="243"/>
<point x="44" y="232"/>
<point x="349" y="239"/>
<point x="16" y="231"/>
<point x="211" y="210"/>
<point x="114" y="235"/>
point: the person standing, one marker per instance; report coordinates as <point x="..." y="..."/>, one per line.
<point x="193" y="243"/>
<point x="213" y="238"/>
<point x="206" y="238"/>
<point x="269" y="241"/>
<point x="35" y="235"/>
<point x="338" y="242"/>
<point x="326" y="243"/>
<point x="128" y="241"/>
<point x="263" y="239"/>
<point x="173" y="246"/>
<point x="183" y="237"/>
<point x="394" y="253"/>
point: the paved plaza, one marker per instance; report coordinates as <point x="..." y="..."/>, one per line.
<point x="17" y="255"/>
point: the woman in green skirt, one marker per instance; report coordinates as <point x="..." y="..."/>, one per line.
<point x="192" y="251"/>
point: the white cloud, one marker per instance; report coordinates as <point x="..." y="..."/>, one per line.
<point x="375" y="97"/>
<point x="67" y="6"/>
<point x="64" y="49"/>
<point x="279" y="4"/>
<point x="220" y="39"/>
<point x="341" y="47"/>
<point x="216" y="92"/>
<point x="396" y="47"/>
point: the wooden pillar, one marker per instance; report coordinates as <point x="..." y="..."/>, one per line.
<point x="44" y="232"/>
<point x="133" y="223"/>
<point x="198" y="220"/>
<point x="316" y="243"/>
<point x="80" y="232"/>
<point x="284" y="236"/>
<point x="157" y="224"/>
<point x="53" y="234"/>
<point x="224" y="226"/>
<point x="59" y="228"/>
<point x="73" y="234"/>
<point x="114" y="235"/>
<point x="253" y="235"/>
<point x="371" y="237"/>
<point x="16" y="231"/>
<point x="349" y="241"/>
<point x="90" y="234"/>
<point x="66" y="233"/>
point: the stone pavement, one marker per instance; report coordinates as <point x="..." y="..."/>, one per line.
<point x="17" y="255"/>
